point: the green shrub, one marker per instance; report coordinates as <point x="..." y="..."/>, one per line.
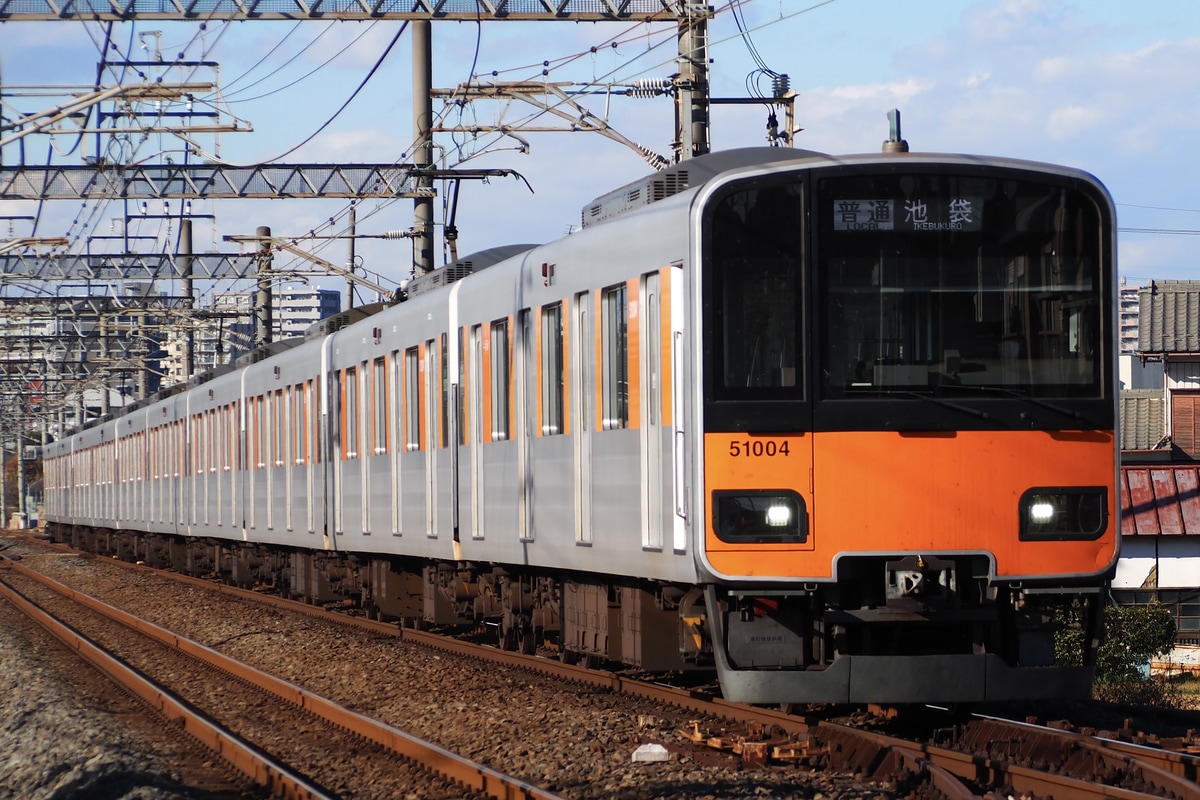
<point x="1133" y="635"/>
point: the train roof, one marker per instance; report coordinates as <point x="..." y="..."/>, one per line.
<point x="683" y="176"/>
<point x="463" y="267"/>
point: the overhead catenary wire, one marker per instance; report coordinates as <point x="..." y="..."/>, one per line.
<point x="306" y="75"/>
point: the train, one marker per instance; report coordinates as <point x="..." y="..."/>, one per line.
<point x="838" y="428"/>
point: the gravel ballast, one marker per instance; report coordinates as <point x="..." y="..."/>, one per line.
<point x="577" y="741"/>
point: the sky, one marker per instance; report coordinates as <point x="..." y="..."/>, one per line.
<point x="1108" y="86"/>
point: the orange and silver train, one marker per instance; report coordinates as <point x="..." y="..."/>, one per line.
<point x="840" y="427"/>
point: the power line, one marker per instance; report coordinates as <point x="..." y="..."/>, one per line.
<point x="1160" y="208"/>
<point x="1164" y="231"/>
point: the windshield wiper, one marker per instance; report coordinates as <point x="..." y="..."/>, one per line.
<point x="935" y="400"/>
<point x="1069" y="412"/>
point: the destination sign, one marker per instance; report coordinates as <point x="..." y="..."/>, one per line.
<point x="912" y="214"/>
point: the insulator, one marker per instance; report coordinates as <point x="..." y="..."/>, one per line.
<point x="650" y="87"/>
<point x="781" y="85"/>
<point x="396" y="235"/>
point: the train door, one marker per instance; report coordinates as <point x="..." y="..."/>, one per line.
<point x="286" y="448"/>
<point x="397" y="443"/>
<point x="582" y="378"/>
<point x="366" y="442"/>
<point x="524" y="407"/>
<point x="474" y="401"/>
<point x="432" y="381"/>
<point x="274" y="458"/>
<point x="312" y="457"/>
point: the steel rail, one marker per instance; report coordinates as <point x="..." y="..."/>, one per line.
<point x="947" y="769"/>
<point x="447" y="764"/>
<point x="1167" y="770"/>
<point x="877" y="748"/>
<point x="1029" y="780"/>
<point x="246" y="759"/>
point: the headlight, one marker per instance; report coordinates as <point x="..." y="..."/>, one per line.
<point x="773" y="515"/>
<point x="1064" y="513"/>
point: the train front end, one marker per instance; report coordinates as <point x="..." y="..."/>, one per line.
<point x="907" y="400"/>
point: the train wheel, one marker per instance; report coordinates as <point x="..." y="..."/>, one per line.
<point x="527" y="639"/>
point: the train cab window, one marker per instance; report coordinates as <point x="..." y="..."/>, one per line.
<point x="614" y="325"/>
<point x="552" y="370"/>
<point x="501" y="379"/>
<point x="754" y="238"/>
<point x="412" y="399"/>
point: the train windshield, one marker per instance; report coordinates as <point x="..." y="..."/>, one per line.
<point x="958" y="285"/>
<point x="756" y="236"/>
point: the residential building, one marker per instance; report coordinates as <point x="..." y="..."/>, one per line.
<point x="1160" y="462"/>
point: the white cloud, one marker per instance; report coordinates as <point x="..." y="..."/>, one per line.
<point x="974" y="81"/>
<point x="891" y="91"/>
<point x="1072" y="121"/>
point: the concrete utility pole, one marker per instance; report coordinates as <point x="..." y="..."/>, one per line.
<point x="422" y="68"/>
<point x="262" y="303"/>
<point x="3" y="484"/>
<point x="189" y="298"/>
<point x="691" y="99"/>
<point x="353" y="231"/>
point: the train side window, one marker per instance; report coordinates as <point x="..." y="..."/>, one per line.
<point x="501" y="380"/>
<point x="461" y="401"/>
<point x="582" y="359"/>
<point x="278" y="440"/>
<point x="396" y="391"/>
<point x="227" y="437"/>
<point x="444" y="419"/>
<point x="614" y="326"/>
<point x="195" y="453"/>
<point x="379" y="422"/>
<point x="299" y="424"/>
<point x="552" y="370"/>
<point x="350" y="413"/>
<point x="412" y="399"/>
<point x="208" y="424"/>
<point x="315" y="440"/>
<point x="259" y="419"/>
<point x="476" y="382"/>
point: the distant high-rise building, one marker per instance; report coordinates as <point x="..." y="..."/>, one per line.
<point x="295" y="308"/>
<point x="227" y="330"/>
<point x="1128" y="318"/>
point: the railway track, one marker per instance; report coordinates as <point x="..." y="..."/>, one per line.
<point x="983" y="758"/>
<point x="228" y="706"/>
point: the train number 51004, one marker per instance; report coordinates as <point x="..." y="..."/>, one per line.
<point x="758" y="448"/>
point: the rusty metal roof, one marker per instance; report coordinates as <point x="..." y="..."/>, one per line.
<point x="1169" y="317"/>
<point x="1160" y="499"/>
